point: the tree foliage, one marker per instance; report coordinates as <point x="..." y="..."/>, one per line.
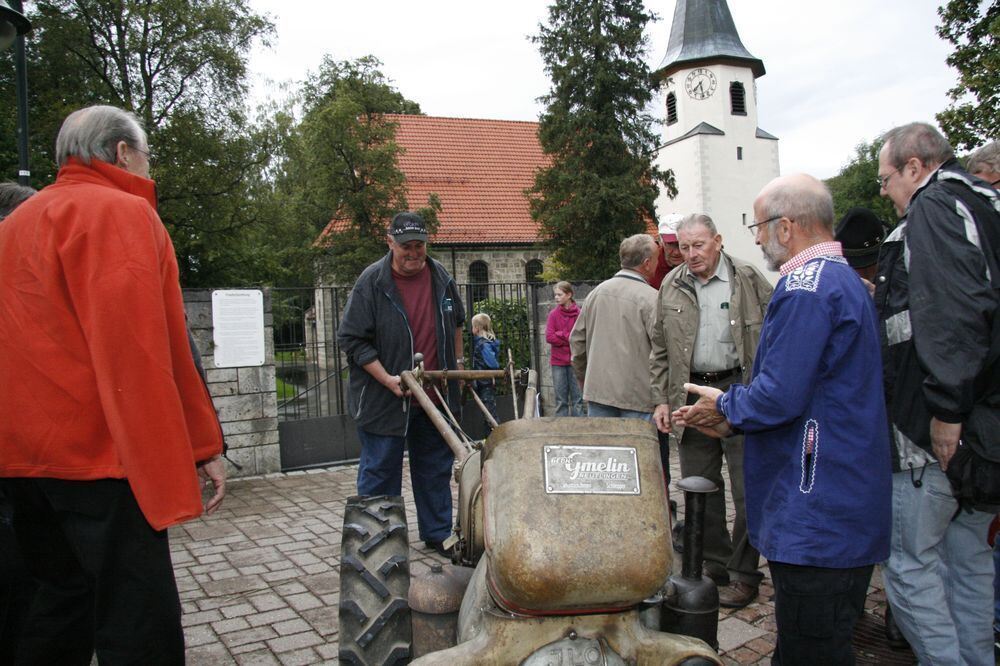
<point x="181" y="67"/>
<point x="973" y="27"/>
<point x="343" y="163"/>
<point x="602" y="185"/>
<point x="857" y="184"/>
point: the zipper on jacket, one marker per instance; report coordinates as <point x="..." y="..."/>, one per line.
<point x="409" y="331"/>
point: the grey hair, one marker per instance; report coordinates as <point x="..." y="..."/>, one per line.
<point x="94" y="132"/>
<point x="636" y="249"/>
<point x="13" y="195"/>
<point x="810" y="207"/>
<point x="695" y="219"/>
<point x="919" y="140"/>
<point x="983" y="159"/>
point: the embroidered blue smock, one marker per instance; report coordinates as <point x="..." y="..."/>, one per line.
<point x="816" y="456"/>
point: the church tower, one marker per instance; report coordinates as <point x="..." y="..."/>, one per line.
<point x="720" y="157"/>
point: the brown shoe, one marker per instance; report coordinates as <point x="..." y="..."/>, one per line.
<point x="737" y="594"/>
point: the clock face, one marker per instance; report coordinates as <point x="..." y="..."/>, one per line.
<point x="700" y="83"/>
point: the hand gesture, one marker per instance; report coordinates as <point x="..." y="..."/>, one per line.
<point x="213" y="473"/>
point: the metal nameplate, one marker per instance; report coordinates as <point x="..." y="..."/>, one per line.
<point x="591" y="470"/>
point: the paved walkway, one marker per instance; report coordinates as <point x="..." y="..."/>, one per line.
<point x="259" y="579"/>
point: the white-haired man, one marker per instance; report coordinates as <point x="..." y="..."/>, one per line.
<point x="100" y="443"/>
<point x="816" y="453"/>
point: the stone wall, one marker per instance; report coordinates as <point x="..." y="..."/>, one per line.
<point x="505" y="264"/>
<point x="244" y="398"/>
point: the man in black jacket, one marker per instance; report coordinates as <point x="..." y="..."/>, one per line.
<point x="403" y="304"/>
<point x="937" y="295"/>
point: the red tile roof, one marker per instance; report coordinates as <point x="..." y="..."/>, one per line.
<point x="478" y="168"/>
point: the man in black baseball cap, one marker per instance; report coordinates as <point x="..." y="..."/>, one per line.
<point x="860" y="233"/>
<point x="402" y="304"/>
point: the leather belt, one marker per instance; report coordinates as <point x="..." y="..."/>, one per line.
<point x="713" y="377"/>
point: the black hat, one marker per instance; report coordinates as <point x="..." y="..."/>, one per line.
<point x="408" y="226"/>
<point x="861" y="233"/>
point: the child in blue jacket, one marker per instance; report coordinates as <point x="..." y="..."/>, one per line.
<point x="485" y="356"/>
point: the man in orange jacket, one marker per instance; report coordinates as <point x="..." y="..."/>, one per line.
<point x="104" y="419"/>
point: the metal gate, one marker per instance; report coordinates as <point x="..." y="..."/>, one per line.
<point x="311" y="371"/>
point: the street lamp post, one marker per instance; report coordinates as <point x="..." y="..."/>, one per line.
<point x="13" y="27"/>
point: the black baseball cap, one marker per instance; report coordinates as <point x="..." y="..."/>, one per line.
<point x="407" y="227"/>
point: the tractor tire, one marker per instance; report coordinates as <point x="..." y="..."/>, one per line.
<point x="374" y="583"/>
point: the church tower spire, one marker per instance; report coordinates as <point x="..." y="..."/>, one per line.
<point x="703" y="32"/>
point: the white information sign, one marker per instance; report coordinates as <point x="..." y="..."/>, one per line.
<point x="238" y="320"/>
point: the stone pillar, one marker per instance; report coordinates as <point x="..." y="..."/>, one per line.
<point x="245" y="398"/>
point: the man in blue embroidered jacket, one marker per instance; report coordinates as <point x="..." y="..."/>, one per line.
<point x="816" y="455"/>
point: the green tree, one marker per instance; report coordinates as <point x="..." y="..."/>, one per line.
<point x="343" y="163"/>
<point x="857" y="184"/>
<point x="182" y="68"/>
<point x="602" y="184"/>
<point x="973" y="27"/>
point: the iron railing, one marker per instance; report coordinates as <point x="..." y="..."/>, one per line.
<point x="311" y="369"/>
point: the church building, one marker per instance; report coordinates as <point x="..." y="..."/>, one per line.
<point x="720" y="157"/>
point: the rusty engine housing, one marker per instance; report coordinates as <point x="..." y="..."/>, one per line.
<point x="574" y="515"/>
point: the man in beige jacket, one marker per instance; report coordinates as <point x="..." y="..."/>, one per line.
<point x="610" y="342"/>
<point x="709" y="314"/>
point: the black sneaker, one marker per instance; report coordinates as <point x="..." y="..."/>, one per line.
<point x="438" y="547"/>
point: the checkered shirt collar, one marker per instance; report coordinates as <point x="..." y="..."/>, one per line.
<point x="827" y="249"/>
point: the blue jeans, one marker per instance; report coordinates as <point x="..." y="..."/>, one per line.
<point x="487" y="392"/>
<point x="596" y="409"/>
<point x="569" y="400"/>
<point x="996" y="586"/>
<point x="380" y="472"/>
<point x="938" y="575"/>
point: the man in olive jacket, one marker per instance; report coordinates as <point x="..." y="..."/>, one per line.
<point x="708" y="319"/>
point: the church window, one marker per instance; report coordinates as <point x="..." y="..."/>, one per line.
<point x="738" y="98"/>
<point x="533" y="271"/>
<point x="479" y="277"/>
<point x="671" y="108"/>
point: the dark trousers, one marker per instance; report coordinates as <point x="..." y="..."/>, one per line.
<point x="816" y="609"/>
<point x="105" y="580"/>
<point x="380" y="472"/>
<point x="664" y="440"/>
<point x="726" y="554"/>
<point x="17" y="588"/>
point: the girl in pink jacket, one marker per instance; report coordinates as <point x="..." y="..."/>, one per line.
<point x="569" y="401"/>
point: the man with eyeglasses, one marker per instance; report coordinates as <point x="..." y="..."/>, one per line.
<point x="102" y="443"/>
<point x="708" y="317"/>
<point x="937" y="294"/>
<point x="816" y="457"/>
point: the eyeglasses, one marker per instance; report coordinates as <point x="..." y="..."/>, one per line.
<point x="884" y="180"/>
<point x="752" y="228"/>
<point x="149" y="155"/>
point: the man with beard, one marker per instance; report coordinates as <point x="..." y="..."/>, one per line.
<point x="816" y="452"/>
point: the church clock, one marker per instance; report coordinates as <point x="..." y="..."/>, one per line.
<point x="700" y="83"/>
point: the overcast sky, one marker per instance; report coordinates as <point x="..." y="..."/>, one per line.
<point x="837" y="72"/>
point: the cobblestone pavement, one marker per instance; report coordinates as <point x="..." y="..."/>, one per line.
<point x="259" y="582"/>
